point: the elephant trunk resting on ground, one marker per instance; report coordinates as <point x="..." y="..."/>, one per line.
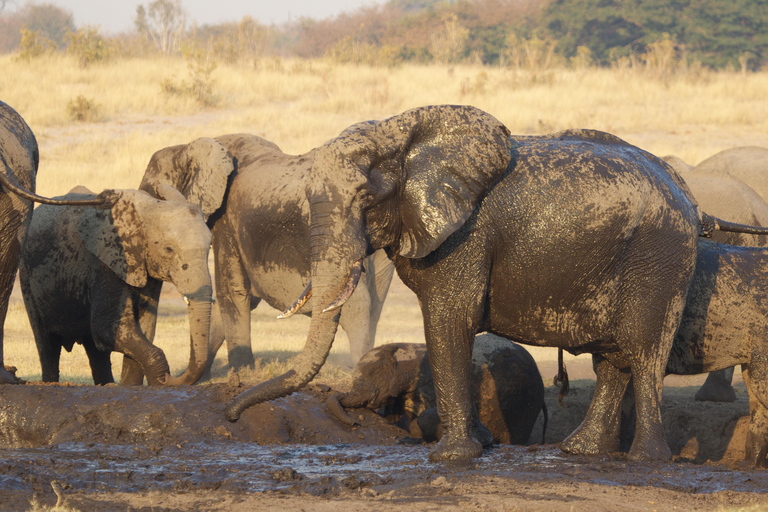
<point x="254" y="199"/>
<point x="19" y="159"/>
<point x="93" y="276"/>
<point x="506" y="388"/>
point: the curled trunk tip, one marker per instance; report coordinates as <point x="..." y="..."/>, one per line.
<point x="333" y="404"/>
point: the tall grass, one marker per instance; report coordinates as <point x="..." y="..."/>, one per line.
<point x="301" y="104"/>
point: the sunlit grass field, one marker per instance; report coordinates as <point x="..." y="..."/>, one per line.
<point x="301" y="104"/>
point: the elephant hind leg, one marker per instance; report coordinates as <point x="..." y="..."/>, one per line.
<point x="756" y="446"/>
<point x="49" y="353"/>
<point x="717" y="387"/>
<point x="100" y="362"/>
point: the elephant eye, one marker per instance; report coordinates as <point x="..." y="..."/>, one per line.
<point x="169" y="249"/>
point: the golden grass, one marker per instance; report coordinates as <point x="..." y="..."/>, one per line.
<point x="301" y="104"/>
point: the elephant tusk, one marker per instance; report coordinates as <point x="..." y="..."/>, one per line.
<point x="354" y="278"/>
<point x="303" y="298"/>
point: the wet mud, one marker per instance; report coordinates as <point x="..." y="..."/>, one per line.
<point x="113" y="447"/>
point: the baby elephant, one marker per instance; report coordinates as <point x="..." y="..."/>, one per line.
<point x="93" y="276"/>
<point x="507" y="389"/>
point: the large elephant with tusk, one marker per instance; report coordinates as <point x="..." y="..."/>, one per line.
<point x="576" y="240"/>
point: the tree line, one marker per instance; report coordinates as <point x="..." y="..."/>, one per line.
<point x="523" y="33"/>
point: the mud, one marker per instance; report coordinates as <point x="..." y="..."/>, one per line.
<point x="118" y="448"/>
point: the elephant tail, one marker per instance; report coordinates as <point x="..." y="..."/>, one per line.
<point x="710" y="224"/>
<point x="561" y="379"/>
<point x="546" y="421"/>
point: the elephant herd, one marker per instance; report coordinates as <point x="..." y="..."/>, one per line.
<point x="576" y="240"/>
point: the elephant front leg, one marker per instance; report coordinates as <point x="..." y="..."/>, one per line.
<point x="235" y="303"/>
<point x="599" y="432"/>
<point x="131" y="373"/>
<point x="756" y="446"/>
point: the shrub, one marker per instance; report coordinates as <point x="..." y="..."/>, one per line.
<point x="88" y="46"/>
<point x="83" y="109"/>
<point x="200" y="86"/>
<point x="34" y="44"/>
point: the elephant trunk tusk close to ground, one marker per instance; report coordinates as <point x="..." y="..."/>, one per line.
<point x="303" y="298"/>
<point x="354" y="278"/>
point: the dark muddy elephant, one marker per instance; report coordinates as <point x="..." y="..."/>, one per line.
<point x="93" y="276"/>
<point x="722" y="194"/>
<point x="254" y="198"/>
<point x="575" y="240"/>
<point x="19" y="159"/>
<point x="507" y="389"/>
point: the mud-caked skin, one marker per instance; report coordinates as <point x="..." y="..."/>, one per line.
<point x="722" y="194"/>
<point x="507" y="389"/>
<point x="255" y="200"/>
<point x="575" y="240"/>
<point x="93" y="276"/>
<point x="19" y="159"/>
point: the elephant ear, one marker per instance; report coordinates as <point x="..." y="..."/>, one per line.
<point x="114" y="235"/>
<point x="453" y="156"/>
<point x="199" y="170"/>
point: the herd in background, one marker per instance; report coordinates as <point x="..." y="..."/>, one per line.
<point x="92" y="267"/>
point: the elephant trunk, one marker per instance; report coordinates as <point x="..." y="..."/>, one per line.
<point x="199" y="310"/>
<point x="329" y="272"/>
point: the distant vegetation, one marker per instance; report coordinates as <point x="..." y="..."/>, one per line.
<point x="714" y="34"/>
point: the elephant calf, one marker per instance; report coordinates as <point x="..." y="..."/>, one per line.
<point x="93" y="276"/>
<point x="507" y="389"/>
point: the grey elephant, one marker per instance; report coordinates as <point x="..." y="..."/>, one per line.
<point x="507" y="389"/>
<point x="747" y="163"/>
<point x="254" y="199"/>
<point x="19" y="159"/>
<point x="93" y="276"/>
<point x="576" y="240"/>
<point x="722" y="194"/>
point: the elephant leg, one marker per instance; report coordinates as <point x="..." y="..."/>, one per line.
<point x="235" y="303"/>
<point x="131" y="374"/>
<point x="449" y="345"/>
<point x="756" y="446"/>
<point x="49" y="353"/>
<point x="354" y="319"/>
<point x="717" y="387"/>
<point x="379" y="272"/>
<point x="216" y="340"/>
<point x="599" y="432"/>
<point x="14" y="219"/>
<point x="100" y="362"/>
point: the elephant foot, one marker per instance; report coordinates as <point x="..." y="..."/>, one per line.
<point x="645" y="448"/>
<point x="581" y="443"/>
<point x="6" y="377"/>
<point x="715" y="390"/>
<point x="756" y="450"/>
<point x="482" y="434"/>
<point x="453" y="448"/>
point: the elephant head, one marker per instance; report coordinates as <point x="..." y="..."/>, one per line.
<point x="199" y="170"/>
<point x="138" y="236"/>
<point x="405" y="184"/>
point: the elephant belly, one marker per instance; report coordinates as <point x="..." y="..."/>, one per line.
<point x="279" y="287"/>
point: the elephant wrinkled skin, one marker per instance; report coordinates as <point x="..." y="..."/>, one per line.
<point x="93" y="276"/>
<point x="507" y="389"/>
<point x="19" y="158"/>
<point x="254" y="198"/>
<point x="576" y="240"/>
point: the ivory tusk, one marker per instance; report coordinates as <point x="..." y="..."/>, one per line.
<point x="303" y="298"/>
<point x="354" y="278"/>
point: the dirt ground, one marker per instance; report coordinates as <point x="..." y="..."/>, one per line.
<point x="118" y="448"/>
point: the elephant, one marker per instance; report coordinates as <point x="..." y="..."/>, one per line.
<point x="253" y="196"/>
<point x="576" y="240"/>
<point x="507" y="389"/>
<point x="19" y="160"/>
<point x="722" y="194"/>
<point x="93" y="276"/>
<point x="747" y="163"/>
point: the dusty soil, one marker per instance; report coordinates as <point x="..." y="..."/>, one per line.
<point x="117" y="448"/>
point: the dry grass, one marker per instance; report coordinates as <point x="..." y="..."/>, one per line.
<point x="301" y="104"/>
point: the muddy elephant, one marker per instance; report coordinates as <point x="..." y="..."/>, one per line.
<point x="255" y="201"/>
<point x="747" y="163"/>
<point x="93" y="276"/>
<point x="507" y="389"/>
<point x="576" y="240"/>
<point x="722" y="194"/>
<point x="19" y="159"/>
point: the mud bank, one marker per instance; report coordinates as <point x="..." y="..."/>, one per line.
<point x="109" y="448"/>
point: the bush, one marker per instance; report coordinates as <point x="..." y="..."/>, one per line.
<point x="88" y="46"/>
<point x="34" y="44"/>
<point x="83" y="109"/>
<point x="200" y="86"/>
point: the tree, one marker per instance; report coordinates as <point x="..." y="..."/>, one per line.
<point x="163" y="21"/>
